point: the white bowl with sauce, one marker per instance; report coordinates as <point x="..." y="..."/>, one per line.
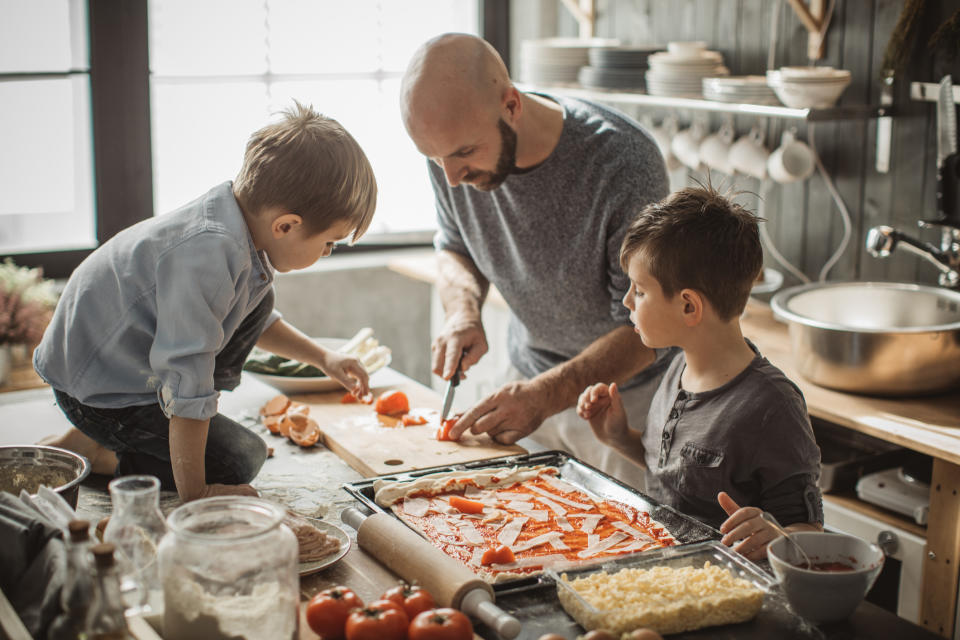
<point x="844" y="569"/>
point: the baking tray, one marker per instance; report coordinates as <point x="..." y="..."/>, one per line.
<point x="685" y="529"/>
<point x="693" y="555"/>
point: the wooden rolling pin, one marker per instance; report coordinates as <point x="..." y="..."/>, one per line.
<point x="415" y="560"/>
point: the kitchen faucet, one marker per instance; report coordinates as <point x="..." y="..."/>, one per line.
<point x="882" y="240"/>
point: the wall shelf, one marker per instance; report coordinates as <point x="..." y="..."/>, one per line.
<point x="847" y="112"/>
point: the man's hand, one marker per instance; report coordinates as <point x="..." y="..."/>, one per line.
<point x="510" y="413"/>
<point x="746" y="527"/>
<point x="462" y="341"/>
<point x="348" y="371"/>
<point x="602" y="406"/>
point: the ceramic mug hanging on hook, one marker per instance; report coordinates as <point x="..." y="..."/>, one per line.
<point x="749" y="156"/>
<point x="792" y="161"/>
<point x="686" y="144"/>
<point x="715" y="148"/>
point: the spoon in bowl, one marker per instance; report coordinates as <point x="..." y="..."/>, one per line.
<point x="766" y="515"/>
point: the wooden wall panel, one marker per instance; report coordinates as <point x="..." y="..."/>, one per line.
<point x="804" y="220"/>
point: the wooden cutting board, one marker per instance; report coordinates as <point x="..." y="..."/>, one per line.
<point x="377" y="445"/>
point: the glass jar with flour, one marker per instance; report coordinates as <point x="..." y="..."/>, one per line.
<point x="229" y="571"/>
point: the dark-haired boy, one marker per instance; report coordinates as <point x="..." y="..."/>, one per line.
<point x="723" y="418"/>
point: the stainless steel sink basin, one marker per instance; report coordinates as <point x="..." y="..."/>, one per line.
<point x="883" y="338"/>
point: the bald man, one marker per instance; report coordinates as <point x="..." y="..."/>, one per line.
<point x="534" y="194"/>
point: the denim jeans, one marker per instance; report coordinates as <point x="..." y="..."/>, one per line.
<point x="140" y="435"/>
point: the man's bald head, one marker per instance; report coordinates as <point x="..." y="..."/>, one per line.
<point x="452" y="76"/>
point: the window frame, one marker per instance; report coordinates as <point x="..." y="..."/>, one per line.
<point x="120" y="110"/>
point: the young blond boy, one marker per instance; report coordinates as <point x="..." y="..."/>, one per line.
<point x="153" y="324"/>
<point x="723" y="418"/>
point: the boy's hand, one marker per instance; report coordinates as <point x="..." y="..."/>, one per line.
<point x="228" y="490"/>
<point x="348" y="371"/>
<point x="746" y="527"/>
<point x="602" y="406"/>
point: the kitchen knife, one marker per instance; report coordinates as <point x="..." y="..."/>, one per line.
<point x="948" y="162"/>
<point x="448" y="395"/>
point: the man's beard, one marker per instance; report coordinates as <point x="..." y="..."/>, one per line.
<point x="506" y="163"/>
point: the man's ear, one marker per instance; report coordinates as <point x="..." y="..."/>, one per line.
<point x="512" y="105"/>
<point x="692" y="307"/>
<point x="284" y="224"/>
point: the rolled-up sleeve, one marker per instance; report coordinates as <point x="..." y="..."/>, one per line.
<point x="196" y="287"/>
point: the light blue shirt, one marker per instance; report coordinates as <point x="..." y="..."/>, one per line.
<point x="143" y="318"/>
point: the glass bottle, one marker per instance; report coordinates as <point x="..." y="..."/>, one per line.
<point x="105" y="618"/>
<point x="77" y="591"/>
<point x="136" y="526"/>
<point x="229" y="571"/>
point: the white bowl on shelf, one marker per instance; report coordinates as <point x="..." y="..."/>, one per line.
<point x="808" y="92"/>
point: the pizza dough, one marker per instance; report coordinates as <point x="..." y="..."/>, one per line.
<point x="541" y="518"/>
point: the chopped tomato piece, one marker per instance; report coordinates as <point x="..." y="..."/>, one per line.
<point x="410" y="420"/>
<point x="393" y="403"/>
<point x="501" y="555"/>
<point x="443" y="433"/>
<point x="304" y="431"/>
<point x="466" y="506"/>
<point x="275" y="406"/>
<point x="272" y="423"/>
<point x="349" y="398"/>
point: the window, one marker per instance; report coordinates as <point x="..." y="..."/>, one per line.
<point x="83" y="156"/>
<point x="46" y="160"/>
<point x="221" y="68"/>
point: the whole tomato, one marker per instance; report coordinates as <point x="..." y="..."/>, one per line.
<point x="441" y="624"/>
<point x="381" y="620"/>
<point x="414" y="599"/>
<point x="328" y="610"/>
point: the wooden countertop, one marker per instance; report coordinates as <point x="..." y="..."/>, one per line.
<point x="930" y="425"/>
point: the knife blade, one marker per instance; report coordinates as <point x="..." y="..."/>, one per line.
<point x="946" y="121"/>
<point x="448" y="395"/>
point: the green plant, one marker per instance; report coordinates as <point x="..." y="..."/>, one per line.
<point x="27" y="301"/>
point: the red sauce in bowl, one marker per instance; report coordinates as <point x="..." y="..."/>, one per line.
<point x="835" y="567"/>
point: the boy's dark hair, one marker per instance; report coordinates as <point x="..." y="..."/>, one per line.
<point x="311" y="166"/>
<point x="696" y="238"/>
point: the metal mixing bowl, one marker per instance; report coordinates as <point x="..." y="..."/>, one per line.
<point x="882" y="338"/>
<point x="28" y="466"/>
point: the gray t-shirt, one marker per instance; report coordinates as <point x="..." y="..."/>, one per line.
<point x="549" y="238"/>
<point x="750" y="437"/>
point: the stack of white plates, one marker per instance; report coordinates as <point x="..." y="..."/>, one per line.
<point x="616" y="67"/>
<point x="556" y="60"/>
<point x="680" y="70"/>
<point x="808" y="87"/>
<point x="748" y="89"/>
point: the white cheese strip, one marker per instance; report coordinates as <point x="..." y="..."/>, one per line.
<point x="476" y="557"/>
<point x="564" y="524"/>
<point x="443" y="528"/>
<point x="536" y="561"/>
<point x="471" y="491"/>
<point x="416" y="507"/>
<point x="623" y="526"/>
<point x="538" y="515"/>
<point x="560" y="485"/>
<point x="603" y="545"/>
<point x="637" y="545"/>
<point x="566" y="501"/>
<point x="539" y="540"/>
<point x="519" y="505"/>
<point x="508" y="535"/>
<point x="592" y="540"/>
<point x="556" y="508"/>
<point x="514" y="495"/>
<point x="470" y="532"/>
<point x="589" y="523"/>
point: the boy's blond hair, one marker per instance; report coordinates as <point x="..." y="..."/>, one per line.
<point x="309" y="165"/>
<point x="696" y="238"/>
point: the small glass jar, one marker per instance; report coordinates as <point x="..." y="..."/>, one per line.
<point x="229" y="571"/>
<point x="135" y="528"/>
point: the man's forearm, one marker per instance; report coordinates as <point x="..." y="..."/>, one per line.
<point x="188" y="446"/>
<point x="460" y="285"/>
<point x="614" y="357"/>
